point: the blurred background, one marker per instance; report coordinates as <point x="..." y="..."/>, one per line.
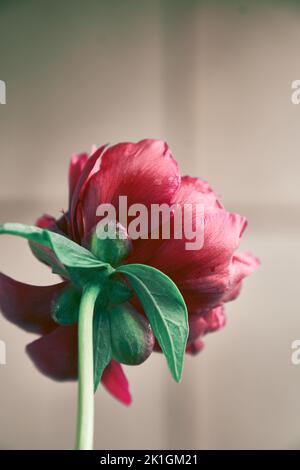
<point x="213" y="79"/>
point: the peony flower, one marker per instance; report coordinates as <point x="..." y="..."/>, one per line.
<point x="207" y="278"/>
<point x="146" y="173"/>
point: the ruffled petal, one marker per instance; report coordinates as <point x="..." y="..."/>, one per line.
<point x="195" y="347"/>
<point x="195" y="190"/>
<point x="200" y="325"/>
<point x="28" y="306"/>
<point x="115" y="381"/>
<point x="242" y="265"/>
<point x="145" y="172"/>
<point x="55" y="354"/>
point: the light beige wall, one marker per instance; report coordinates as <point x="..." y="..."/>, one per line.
<point x="215" y="83"/>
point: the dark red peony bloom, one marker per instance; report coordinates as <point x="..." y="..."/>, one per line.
<point x="147" y="174"/>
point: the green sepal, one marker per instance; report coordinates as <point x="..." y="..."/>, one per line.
<point x="119" y="292"/>
<point x="166" y="310"/>
<point x="83" y="276"/>
<point x="66" y="306"/>
<point x="132" y="340"/>
<point x="110" y="242"/>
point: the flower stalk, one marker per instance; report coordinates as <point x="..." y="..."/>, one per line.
<point x="85" y="404"/>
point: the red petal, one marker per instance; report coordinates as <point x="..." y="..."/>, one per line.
<point x="115" y="381"/>
<point x="191" y="191"/>
<point x="28" y="306"/>
<point x="222" y="233"/>
<point x="60" y="225"/>
<point x="46" y="221"/>
<point x="55" y="354"/>
<point x="80" y="185"/>
<point x="144" y="172"/>
<point x="77" y="164"/>
<point x="202" y="275"/>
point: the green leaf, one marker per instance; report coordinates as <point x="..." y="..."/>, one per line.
<point x="68" y="252"/>
<point x="166" y="310"/>
<point x="66" y="257"/>
<point x="101" y="342"/>
<point x="45" y="255"/>
<point x="66" y="306"/>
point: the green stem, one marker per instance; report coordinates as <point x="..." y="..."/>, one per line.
<point x="85" y="410"/>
